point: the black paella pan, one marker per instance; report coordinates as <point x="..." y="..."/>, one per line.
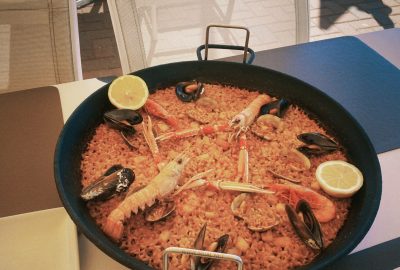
<point x="81" y="124"/>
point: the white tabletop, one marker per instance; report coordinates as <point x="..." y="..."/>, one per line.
<point x="385" y="42"/>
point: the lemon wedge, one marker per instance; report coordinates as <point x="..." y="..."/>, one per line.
<point x="338" y="178"/>
<point x="128" y="92"/>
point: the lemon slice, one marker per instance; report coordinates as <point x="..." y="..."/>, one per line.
<point x="339" y="178"/>
<point x="128" y="92"/>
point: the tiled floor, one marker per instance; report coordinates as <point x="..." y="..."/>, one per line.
<point x="172" y="31"/>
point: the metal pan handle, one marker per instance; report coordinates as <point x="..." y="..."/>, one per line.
<point x="201" y="253"/>
<point x="246" y="50"/>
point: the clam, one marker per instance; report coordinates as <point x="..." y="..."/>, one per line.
<point x="159" y="211"/>
<point x="189" y="91"/>
<point x="219" y="245"/>
<point x="277" y="107"/>
<point x="200" y="116"/>
<point x="267" y="221"/>
<point x="307" y="227"/>
<point x="298" y="161"/>
<point x="316" y="144"/>
<point x="123" y="119"/>
<point x="266" y="125"/>
<point x="208" y="104"/>
<point x="114" y="181"/>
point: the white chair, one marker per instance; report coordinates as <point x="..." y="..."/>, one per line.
<point x="39" y="43"/>
<point x="171" y="30"/>
<point x="128" y="35"/>
<point x="302" y="21"/>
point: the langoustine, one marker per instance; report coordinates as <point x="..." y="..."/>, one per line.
<point x="323" y="208"/>
<point x="159" y="187"/>
<point x="240" y="123"/>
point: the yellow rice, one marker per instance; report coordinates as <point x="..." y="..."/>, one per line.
<point x="277" y="248"/>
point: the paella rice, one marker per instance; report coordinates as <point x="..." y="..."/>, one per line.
<point x="276" y="248"/>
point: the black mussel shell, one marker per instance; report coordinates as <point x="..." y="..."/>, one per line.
<point x="125" y="135"/>
<point x="308" y="229"/>
<point x="311" y="221"/>
<point x="185" y="96"/>
<point x="113" y="169"/>
<point x="159" y="211"/>
<point x="314" y="150"/>
<point x="281" y="106"/>
<point x="221" y="246"/>
<point x="199" y="242"/>
<point x="315" y="138"/>
<point x="316" y="144"/>
<point x="197" y="262"/>
<point x="111" y="183"/>
<point x="123" y="119"/>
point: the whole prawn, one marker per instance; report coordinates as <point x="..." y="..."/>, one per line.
<point x="323" y="208"/>
<point x="240" y="123"/>
<point x="246" y="117"/>
<point x="160" y="186"/>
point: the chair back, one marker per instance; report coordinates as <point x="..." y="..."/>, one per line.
<point x="124" y="18"/>
<point x="39" y="43"/>
<point x="171" y="30"/>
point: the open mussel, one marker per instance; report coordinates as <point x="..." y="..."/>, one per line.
<point x="307" y="227"/>
<point x="316" y="144"/>
<point x="189" y="91"/>
<point x="115" y="180"/>
<point x="159" y="211"/>
<point x="123" y="119"/>
<point x="277" y="107"/>
<point x="198" y="263"/>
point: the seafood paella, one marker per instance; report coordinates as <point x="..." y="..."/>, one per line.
<point x="217" y="168"/>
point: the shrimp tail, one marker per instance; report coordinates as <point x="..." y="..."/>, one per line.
<point x="114" y="226"/>
<point x="139" y="200"/>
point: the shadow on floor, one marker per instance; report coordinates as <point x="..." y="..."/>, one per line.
<point x="377" y="9"/>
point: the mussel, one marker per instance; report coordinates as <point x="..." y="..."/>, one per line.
<point x="189" y="91"/>
<point x="277" y="107"/>
<point x="316" y="144"/>
<point x="115" y="180"/>
<point x="159" y="211"/>
<point x="198" y="263"/>
<point x="123" y="119"/>
<point x="307" y="228"/>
